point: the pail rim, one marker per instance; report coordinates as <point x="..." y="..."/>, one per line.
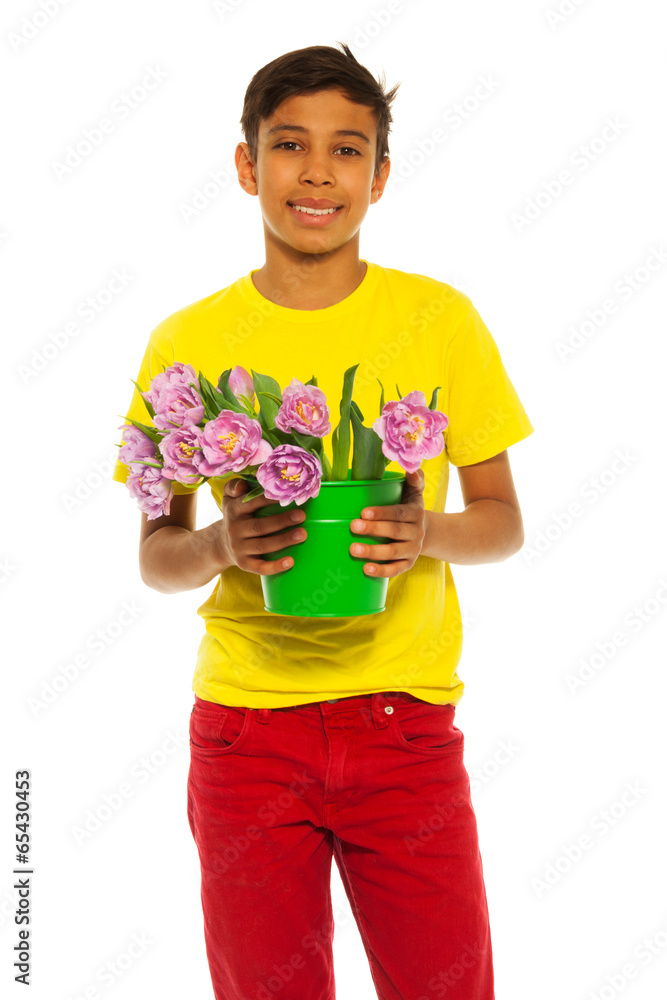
<point x="388" y="476"/>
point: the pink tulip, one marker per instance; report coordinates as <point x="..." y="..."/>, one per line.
<point x="173" y="400"/>
<point x="290" y="474"/>
<point x="410" y="431"/>
<point x="304" y="409"/>
<point x="137" y="448"/>
<point x="241" y="384"/>
<point x="230" y="443"/>
<point x="178" y="449"/>
<point x="151" y="490"/>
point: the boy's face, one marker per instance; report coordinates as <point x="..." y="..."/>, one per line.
<point x="312" y="162"/>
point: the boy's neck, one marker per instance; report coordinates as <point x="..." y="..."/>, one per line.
<point x="306" y="281"/>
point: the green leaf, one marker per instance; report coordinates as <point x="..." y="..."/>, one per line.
<point x="381" y="399"/>
<point x="368" y="460"/>
<point x="327" y="472"/>
<point x="269" y="398"/>
<point x="307" y="441"/>
<point x="433" y="405"/>
<point x="230" y="400"/>
<point x="151" y="411"/>
<point x="282" y="437"/>
<point x="211" y="411"/>
<point x="311" y="381"/>
<point x="248" y="404"/>
<point x="399" y="392"/>
<point x="334" y="447"/>
<point x="214" y="401"/>
<point x="357" y="410"/>
<point x="271" y="395"/>
<point x="272" y="437"/>
<point x="152" y="432"/>
<point x="341" y="435"/>
<point x="257" y="491"/>
<point x="153" y="465"/>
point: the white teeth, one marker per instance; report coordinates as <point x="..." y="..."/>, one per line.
<point x="315" y="211"/>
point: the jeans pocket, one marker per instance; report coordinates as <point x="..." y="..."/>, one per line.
<point x="423" y="728"/>
<point x="218" y="729"/>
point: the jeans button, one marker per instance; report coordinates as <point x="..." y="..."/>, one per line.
<point x="389" y="709"/>
<point x="332" y="701"/>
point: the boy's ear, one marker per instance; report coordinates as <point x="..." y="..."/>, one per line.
<point x="245" y="168"/>
<point x="381" y="178"/>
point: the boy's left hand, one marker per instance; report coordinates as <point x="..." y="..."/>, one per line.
<point x="405" y="522"/>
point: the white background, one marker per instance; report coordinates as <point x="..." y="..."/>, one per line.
<point x="69" y="567"/>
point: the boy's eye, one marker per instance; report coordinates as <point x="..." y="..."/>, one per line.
<point x="290" y="142"/>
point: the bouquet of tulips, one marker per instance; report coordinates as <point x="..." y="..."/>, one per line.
<point x="201" y="431"/>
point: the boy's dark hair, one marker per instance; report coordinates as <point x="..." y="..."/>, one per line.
<point x="317" y="67"/>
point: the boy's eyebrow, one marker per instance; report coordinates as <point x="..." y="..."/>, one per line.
<point x="282" y="127"/>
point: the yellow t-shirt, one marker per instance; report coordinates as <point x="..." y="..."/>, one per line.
<point x="401" y="328"/>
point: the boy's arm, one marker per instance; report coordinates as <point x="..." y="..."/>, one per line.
<point x="173" y="556"/>
<point x="490" y="529"/>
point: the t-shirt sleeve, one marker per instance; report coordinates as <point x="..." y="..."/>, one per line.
<point x="157" y="356"/>
<point x="485" y="413"/>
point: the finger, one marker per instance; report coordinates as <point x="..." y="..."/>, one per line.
<point x="386" y="569"/>
<point x="413" y="488"/>
<point x="415" y="479"/>
<point x="385" y="550"/>
<point x="267" y="567"/>
<point x="257" y="545"/>
<point x="248" y="507"/>
<point x="397" y="512"/>
<point x="402" y="530"/>
<point x="259" y="564"/>
<point x="234" y="487"/>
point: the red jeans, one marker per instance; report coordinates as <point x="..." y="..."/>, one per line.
<point x="378" y="781"/>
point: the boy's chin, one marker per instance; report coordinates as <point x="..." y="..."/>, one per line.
<point x="313" y="244"/>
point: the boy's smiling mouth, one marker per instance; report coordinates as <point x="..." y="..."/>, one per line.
<point x="314" y="211"/>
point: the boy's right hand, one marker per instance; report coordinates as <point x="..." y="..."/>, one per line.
<point x="245" y="538"/>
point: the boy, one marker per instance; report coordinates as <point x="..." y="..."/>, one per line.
<point x="315" y="737"/>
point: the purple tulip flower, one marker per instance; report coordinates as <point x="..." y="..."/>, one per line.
<point x="178" y="449"/>
<point x="230" y="443"/>
<point x="241" y="384"/>
<point x="410" y="431"/>
<point x="137" y="448"/>
<point x="173" y="400"/>
<point x="304" y="409"/>
<point x="290" y="474"/>
<point x="151" y="490"/>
